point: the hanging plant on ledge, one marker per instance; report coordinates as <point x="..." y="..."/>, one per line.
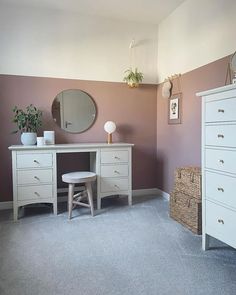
<point x="133" y="78"/>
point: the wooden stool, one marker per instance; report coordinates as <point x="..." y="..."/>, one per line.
<point x="79" y="177"/>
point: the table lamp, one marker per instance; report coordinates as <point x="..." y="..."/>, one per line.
<point x="109" y="127"/>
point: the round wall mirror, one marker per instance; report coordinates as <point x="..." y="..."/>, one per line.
<point x="74" y="110"/>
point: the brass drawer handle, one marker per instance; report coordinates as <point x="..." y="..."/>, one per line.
<point x="221" y="111"/>
<point x="221" y="161"/>
<point x="35" y="161"/>
<point x="37" y="194"/>
<point x="220" y="189"/>
<point x="220" y="136"/>
<point x="221" y="221"/>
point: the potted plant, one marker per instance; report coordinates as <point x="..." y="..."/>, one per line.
<point x="28" y="122"/>
<point x="133" y="78"/>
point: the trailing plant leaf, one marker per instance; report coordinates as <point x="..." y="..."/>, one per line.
<point x="27" y="121"/>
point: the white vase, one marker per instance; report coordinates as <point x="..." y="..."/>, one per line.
<point x="28" y="138"/>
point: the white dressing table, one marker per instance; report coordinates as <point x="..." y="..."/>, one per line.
<point x="34" y="171"/>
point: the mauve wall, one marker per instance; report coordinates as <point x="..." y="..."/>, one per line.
<point x="180" y="145"/>
<point x="134" y="111"/>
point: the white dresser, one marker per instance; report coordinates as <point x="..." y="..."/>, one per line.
<point x="34" y="171"/>
<point x="219" y="165"/>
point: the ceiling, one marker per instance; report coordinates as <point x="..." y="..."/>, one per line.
<point x="146" y="11"/>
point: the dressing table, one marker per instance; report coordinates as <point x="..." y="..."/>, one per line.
<point x="34" y="171"/>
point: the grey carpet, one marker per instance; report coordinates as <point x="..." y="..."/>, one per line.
<point x="121" y="251"/>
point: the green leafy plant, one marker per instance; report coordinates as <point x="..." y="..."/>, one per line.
<point x="28" y="120"/>
<point x="133" y="78"/>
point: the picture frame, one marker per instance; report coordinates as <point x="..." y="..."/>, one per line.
<point x="175" y="109"/>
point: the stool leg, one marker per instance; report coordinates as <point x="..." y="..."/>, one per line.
<point x="70" y="199"/>
<point x="90" y="196"/>
<point x="98" y="202"/>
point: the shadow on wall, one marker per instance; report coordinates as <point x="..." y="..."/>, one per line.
<point x="180" y="145"/>
<point x="160" y="171"/>
<point x="135" y="108"/>
<point x="124" y="132"/>
<point x="145" y="172"/>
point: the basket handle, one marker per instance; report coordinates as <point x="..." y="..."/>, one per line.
<point x="192" y="177"/>
<point x="188" y="203"/>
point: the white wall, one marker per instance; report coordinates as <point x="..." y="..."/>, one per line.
<point x="37" y="42"/>
<point x="195" y="34"/>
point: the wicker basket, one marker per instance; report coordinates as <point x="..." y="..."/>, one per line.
<point x="188" y="181"/>
<point x="187" y="211"/>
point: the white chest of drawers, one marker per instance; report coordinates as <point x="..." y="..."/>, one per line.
<point x="219" y="165"/>
<point x="34" y="171"/>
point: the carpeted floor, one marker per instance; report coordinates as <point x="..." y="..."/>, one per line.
<point x="121" y="251"/>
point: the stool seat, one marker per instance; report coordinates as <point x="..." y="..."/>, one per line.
<point x="79" y="177"/>
<point x="85" y="177"/>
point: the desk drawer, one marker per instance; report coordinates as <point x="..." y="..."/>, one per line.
<point x="35" y="192"/>
<point x="221" y="135"/>
<point x="115" y="156"/>
<point x="36" y="176"/>
<point x="114" y="170"/>
<point x="222" y="160"/>
<point x="221" y="188"/>
<point x="220" y="223"/>
<point x="34" y="160"/>
<point x="114" y="184"/>
<point x="221" y="110"/>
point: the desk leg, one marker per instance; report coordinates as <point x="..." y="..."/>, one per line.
<point x="55" y="207"/>
<point x="55" y="183"/>
<point x="130" y="198"/>
<point x="15" y="211"/>
<point x="205" y="241"/>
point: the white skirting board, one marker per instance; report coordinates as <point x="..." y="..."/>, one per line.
<point x="136" y="193"/>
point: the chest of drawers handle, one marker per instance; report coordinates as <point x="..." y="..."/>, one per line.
<point x="36" y="177"/>
<point x="221" y="161"/>
<point x="117" y="172"/>
<point x="117" y="158"/>
<point x="37" y="194"/>
<point x="220" y="189"/>
<point x="116" y="186"/>
<point x="221" y="111"/>
<point x="35" y="161"/>
<point x="220" y="136"/>
<point x="221" y="221"/>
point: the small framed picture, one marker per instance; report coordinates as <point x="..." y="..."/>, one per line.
<point x="174" y="109"/>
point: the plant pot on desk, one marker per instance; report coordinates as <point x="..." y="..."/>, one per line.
<point x="28" y="138"/>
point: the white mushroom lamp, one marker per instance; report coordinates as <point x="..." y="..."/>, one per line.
<point x="109" y="127"/>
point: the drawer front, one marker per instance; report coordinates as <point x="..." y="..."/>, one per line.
<point x="119" y="156"/>
<point x="114" y="170"/>
<point x="222" y="135"/>
<point x="220" y="223"/>
<point x="221" y="110"/>
<point x="114" y="185"/>
<point x="36" y="192"/>
<point x="34" y="160"/>
<point x="222" y="160"/>
<point x="34" y="176"/>
<point x="221" y="188"/>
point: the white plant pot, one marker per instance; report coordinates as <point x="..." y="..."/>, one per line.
<point x="28" y="138"/>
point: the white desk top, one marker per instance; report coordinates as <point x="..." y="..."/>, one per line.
<point x="68" y="146"/>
